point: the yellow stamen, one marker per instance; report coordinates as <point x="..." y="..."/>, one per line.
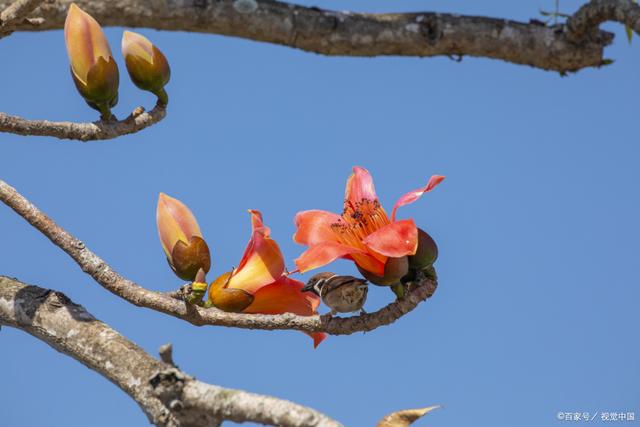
<point x="358" y="220"/>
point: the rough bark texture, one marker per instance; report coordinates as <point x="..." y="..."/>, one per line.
<point x="15" y="13"/>
<point x="168" y="396"/>
<point x="584" y="23"/>
<point x="357" y="34"/>
<point x="423" y="288"/>
<point x="99" y="130"/>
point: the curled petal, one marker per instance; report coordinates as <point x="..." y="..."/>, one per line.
<point x="313" y="227"/>
<point x="262" y="262"/>
<point x="175" y="223"/>
<point x="322" y="254"/>
<point x="394" y="240"/>
<point x="285" y="296"/>
<point x="359" y="186"/>
<point x="414" y="195"/>
<point x="256" y="220"/>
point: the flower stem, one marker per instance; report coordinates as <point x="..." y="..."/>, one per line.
<point x="163" y="97"/>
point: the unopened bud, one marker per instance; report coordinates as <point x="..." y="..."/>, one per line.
<point x="181" y="239"/>
<point x="426" y="254"/>
<point x="146" y="64"/>
<point x="93" y="68"/>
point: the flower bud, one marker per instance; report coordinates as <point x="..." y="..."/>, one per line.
<point x="147" y="66"/>
<point x="228" y="299"/>
<point x="181" y="239"/>
<point x="93" y="68"/>
<point x="394" y="270"/>
<point x="426" y="254"/>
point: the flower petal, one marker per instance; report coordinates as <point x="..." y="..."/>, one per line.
<point x="322" y="254"/>
<point x="318" y="337"/>
<point x="369" y="262"/>
<point x="414" y="195"/>
<point x="262" y="262"/>
<point x="394" y="240"/>
<point x="175" y="223"/>
<point x="359" y="186"/>
<point x="313" y="227"/>
<point x="285" y="296"/>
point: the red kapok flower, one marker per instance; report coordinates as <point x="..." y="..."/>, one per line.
<point x="259" y="284"/>
<point x="363" y="233"/>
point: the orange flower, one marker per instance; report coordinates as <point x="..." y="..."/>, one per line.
<point x="181" y="239"/>
<point x="259" y="284"/>
<point x="363" y="233"/>
<point x="93" y="68"/>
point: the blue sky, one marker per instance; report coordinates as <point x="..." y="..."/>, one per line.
<point x="537" y="222"/>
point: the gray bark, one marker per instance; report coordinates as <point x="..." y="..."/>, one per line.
<point x="327" y="32"/>
<point x="168" y="396"/>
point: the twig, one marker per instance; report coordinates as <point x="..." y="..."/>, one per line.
<point x="166" y="354"/>
<point x="166" y="303"/>
<point x="100" y="130"/>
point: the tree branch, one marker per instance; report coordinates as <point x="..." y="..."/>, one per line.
<point x="100" y="130"/>
<point x="168" y="396"/>
<point x="14" y="13"/>
<point x="327" y="32"/>
<point x="102" y="273"/>
<point x="585" y="22"/>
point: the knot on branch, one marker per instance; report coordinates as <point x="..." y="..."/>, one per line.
<point x="167" y="385"/>
<point x="430" y="27"/>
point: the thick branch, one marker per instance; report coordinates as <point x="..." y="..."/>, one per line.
<point x="585" y="22"/>
<point x="15" y="13"/>
<point x="327" y="32"/>
<point x="168" y="396"/>
<point x="135" y="294"/>
<point x="100" y="130"/>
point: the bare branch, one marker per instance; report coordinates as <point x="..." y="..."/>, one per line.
<point x="100" y="130"/>
<point x="585" y="22"/>
<point x="168" y="396"/>
<point x="422" y="34"/>
<point x="102" y="273"/>
<point x="166" y="354"/>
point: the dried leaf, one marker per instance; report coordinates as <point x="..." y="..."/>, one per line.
<point x="404" y="418"/>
